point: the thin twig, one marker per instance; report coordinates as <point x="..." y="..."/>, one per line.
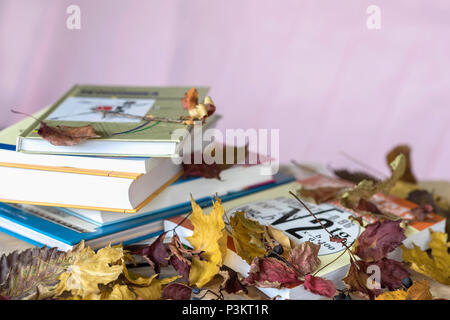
<point x="362" y="164"/>
<point x="318" y="221"/>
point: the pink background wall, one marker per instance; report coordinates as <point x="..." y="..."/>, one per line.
<point x="310" y="68"/>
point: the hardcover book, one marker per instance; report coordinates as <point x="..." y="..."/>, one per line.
<point x="116" y="113"/>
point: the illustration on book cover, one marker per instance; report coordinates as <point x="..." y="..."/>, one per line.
<point x="100" y="109"/>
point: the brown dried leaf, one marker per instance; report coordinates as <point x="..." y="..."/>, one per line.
<point x="356" y="282"/>
<point x="305" y="257"/>
<point x="408" y="176"/>
<point x="321" y="194"/>
<point x="190" y="99"/>
<point x="65" y="135"/>
<point x="355" y="177"/>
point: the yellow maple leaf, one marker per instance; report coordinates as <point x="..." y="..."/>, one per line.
<point x="420" y="290"/>
<point x="393" y="295"/>
<point x="209" y="236"/>
<point x="119" y="292"/>
<point x="248" y="237"/>
<point x="367" y="188"/>
<point x="436" y="266"/>
<point x="147" y="288"/>
<point x="90" y="269"/>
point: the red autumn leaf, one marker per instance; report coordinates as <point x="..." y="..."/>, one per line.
<point x="271" y="273"/>
<point x="392" y="272"/>
<point x="156" y="254"/>
<point x="356" y="282"/>
<point x="365" y="205"/>
<point x="231" y="282"/>
<point x="320" y="286"/>
<point x="176" y="291"/>
<point x="305" y="257"/>
<point x="65" y="135"/>
<point x="379" y="239"/>
<point x="190" y="99"/>
<point x="182" y="266"/>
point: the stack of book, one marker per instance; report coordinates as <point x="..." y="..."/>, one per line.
<point x="117" y="189"/>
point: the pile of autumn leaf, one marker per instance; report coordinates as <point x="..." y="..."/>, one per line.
<point x="275" y="260"/>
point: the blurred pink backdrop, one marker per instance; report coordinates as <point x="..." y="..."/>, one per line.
<point x="311" y="68"/>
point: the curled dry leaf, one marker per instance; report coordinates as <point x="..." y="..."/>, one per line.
<point x="190" y="99"/>
<point x="408" y="176"/>
<point x="231" y="282"/>
<point x="320" y="194"/>
<point x="305" y="257"/>
<point x="367" y="188"/>
<point x="180" y="257"/>
<point x="176" y="291"/>
<point x="209" y="236"/>
<point x="272" y="273"/>
<point x="392" y="272"/>
<point x="65" y="135"/>
<point x="436" y="266"/>
<point x="320" y="286"/>
<point x="197" y="111"/>
<point x="378" y="240"/>
<point x="356" y="282"/>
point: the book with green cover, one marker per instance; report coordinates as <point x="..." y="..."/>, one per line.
<point x="123" y="130"/>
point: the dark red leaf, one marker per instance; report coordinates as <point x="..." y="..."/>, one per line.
<point x="176" y="291"/>
<point x="379" y="239"/>
<point x="209" y="171"/>
<point x="156" y="254"/>
<point x="320" y="286"/>
<point x="365" y="205"/>
<point x="392" y="272"/>
<point x="231" y="282"/>
<point x="271" y="273"/>
<point x="179" y="257"/>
